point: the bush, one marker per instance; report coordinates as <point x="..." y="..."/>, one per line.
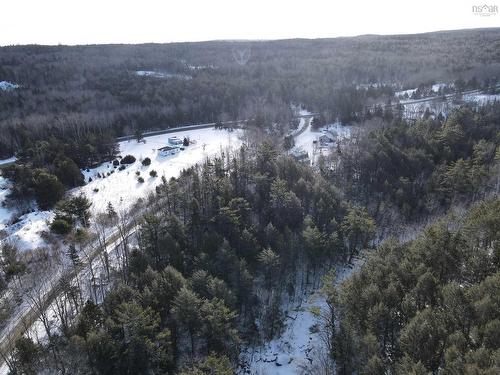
<point x="122" y="167"/>
<point x="116" y="162"/>
<point x="137" y="173"/>
<point x="48" y="189"/>
<point x="68" y="172"/>
<point x="60" y="226"/>
<point x="128" y="159"/>
<point x="146" y="162"/>
<point x="140" y="179"/>
<point x="153" y="173"/>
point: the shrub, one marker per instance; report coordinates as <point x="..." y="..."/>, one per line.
<point x="138" y="173"/>
<point x="122" y="167"/>
<point x="153" y="173"/>
<point x="146" y="162"/>
<point x="128" y="159"/>
<point x="60" y="226"/>
<point x="48" y="189"/>
<point x="116" y="162"/>
<point x="140" y="179"/>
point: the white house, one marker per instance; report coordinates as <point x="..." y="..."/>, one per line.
<point x="168" y="150"/>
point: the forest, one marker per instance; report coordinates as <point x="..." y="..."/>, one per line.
<point x="81" y="93"/>
<point x="427" y="306"/>
<point x="208" y="263"/>
<point x="221" y="246"/>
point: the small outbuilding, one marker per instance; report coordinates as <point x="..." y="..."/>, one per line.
<point x="175" y="141"/>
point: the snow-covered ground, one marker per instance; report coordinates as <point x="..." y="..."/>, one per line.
<point x="6" y="86"/>
<point x="160" y="74"/>
<point x="5" y="213"/>
<point x="121" y="188"/>
<point x="437" y="86"/>
<point x="27" y="232"/>
<point x="481" y="99"/>
<point x="403" y="93"/>
<point x="297" y="347"/>
<point x="415" y="108"/>
<point x="8" y="160"/>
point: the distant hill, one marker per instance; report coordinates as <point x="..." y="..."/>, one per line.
<point x="96" y="86"/>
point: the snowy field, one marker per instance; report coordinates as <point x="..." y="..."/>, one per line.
<point x="121" y="188"/>
<point x="300" y="343"/>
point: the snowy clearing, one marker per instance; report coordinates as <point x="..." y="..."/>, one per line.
<point x="122" y="188"/>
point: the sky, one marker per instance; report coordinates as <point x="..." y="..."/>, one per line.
<point x="142" y="21"/>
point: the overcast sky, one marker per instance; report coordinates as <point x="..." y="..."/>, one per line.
<point x="140" y="21"/>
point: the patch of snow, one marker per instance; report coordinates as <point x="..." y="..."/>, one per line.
<point x="201" y="67"/>
<point x="437" y="86"/>
<point x="160" y="74"/>
<point x="5" y="213"/>
<point x="482" y="99"/>
<point x="7" y="86"/>
<point x="8" y="160"/>
<point x="26" y="234"/>
<point x="403" y="93"/>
